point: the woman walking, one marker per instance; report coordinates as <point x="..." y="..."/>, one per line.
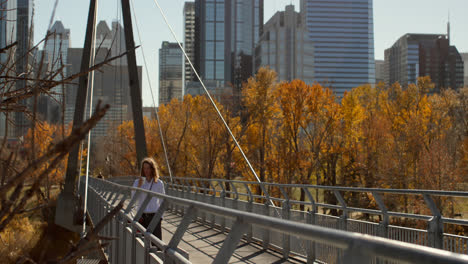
<point x="149" y="180"/>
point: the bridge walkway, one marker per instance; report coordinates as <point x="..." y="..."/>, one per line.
<point x="202" y="243"/>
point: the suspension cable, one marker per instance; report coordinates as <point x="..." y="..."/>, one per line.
<point x="156" y="111"/>
<point x="91" y="89"/>
<point x="208" y="93"/>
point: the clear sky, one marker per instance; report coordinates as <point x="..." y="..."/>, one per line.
<point x="392" y="19"/>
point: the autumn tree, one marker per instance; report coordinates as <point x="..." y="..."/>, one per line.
<point x="261" y="111"/>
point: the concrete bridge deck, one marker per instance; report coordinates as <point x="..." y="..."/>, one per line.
<point x="203" y="243"/>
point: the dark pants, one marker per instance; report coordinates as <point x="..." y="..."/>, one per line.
<point x="146" y="220"/>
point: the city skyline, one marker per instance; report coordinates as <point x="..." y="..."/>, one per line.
<point x="390" y="22"/>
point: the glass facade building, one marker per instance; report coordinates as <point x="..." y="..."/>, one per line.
<point x="416" y="55"/>
<point x="343" y="35"/>
<point x="227" y="32"/>
<point x="170" y="72"/>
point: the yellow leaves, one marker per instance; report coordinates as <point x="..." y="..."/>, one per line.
<point x="258" y="95"/>
<point x="18" y="238"/>
<point x="45" y="135"/>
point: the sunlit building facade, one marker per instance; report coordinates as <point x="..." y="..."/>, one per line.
<point x="227" y="32"/>
<point x="285" y="48"/>
<point x="417" y="55"/>
<point x="170" y="72"/>
<point x="342" y="32"/>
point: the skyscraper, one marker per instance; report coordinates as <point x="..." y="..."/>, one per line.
<point x="111" y="39"/>
<point x="111" y="81"/>
<point x="465" y="63"/>
<point x="343" y="36"/>
<point x="111" y="86"/>
<point x="56" y="54"/>
<point x="24" y="40"/>
<point x="170" y="72"/>
<point x="285" y="48"/>
<point x="189" y="41"/>
<point x="7" y="26"/>
<point x="415" y="55"/>
<point x="227" y="33"/>
<point x="7" y="37"/>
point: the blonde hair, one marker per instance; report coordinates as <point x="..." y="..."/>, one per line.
<point x="154" y="170"/>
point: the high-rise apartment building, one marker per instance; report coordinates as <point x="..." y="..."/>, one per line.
<point x="170" y="72"/>
<point x="285" y="47"/>
<point x="227" y="32"/>
<point x="189" y="41"/>
<point x="343" y="36"/>
<point x="415" y="55"/>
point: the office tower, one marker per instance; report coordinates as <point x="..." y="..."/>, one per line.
<point x="55" y="56"/>
<point x="103" y="35"/>
<point x="7" y="26"/>
<point x="415" y="55"/>
<point x="189" y="41"/>
<point x="379" y="71"/>
<point x="111" y="39"/>
<point x="170" y="72"/>
<point x="343" y="37"/>
<point x="227" y="33"/>
<point x="285" y="48"/>
<point x="7" y="37"/>
<point x="465" y="63"/>
<point x="111" y="86"/>
<point x="24" y="38"/>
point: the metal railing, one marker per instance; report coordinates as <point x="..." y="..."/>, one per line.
<point x="240" y="195"/>
<point x="353" y="247"/>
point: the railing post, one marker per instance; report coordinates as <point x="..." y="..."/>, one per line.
<point x="435" y="227"/>
<point x="222" y="196"/>
<point x="354" y="254"/>
<point x="286" y="214"/>
<point x="383" y="225"/>
<point x="266" y="232"/>
<point x="230" y="244"/>
<point x="213" y="202"/>
<point x="134" y="236"/>
<point x="344" y="216"/>
<point x="184" y="224"/>
<point x="235" y="199"/>
<point x="311" y="219"/>
<point x="249" y="209"/>
<point x="115" y="242"/>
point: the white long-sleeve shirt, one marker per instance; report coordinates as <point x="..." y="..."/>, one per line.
<point x="154" y="203"/>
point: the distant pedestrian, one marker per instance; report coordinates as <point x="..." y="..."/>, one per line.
<point x="100" y="176"/>
<point x="149" y="180"/>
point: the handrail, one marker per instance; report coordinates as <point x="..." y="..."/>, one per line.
<point x="338" y="188"/>
<point x="358" y="248"/>
<point x="372" y="191"/>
